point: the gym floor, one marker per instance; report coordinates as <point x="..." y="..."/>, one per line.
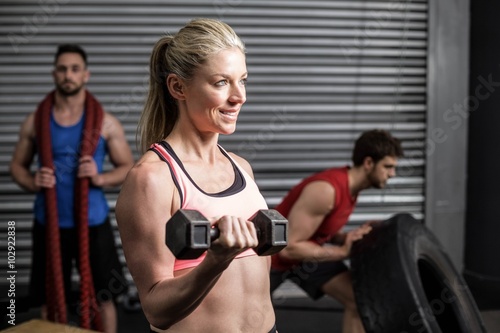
<point x="295" y="313"/>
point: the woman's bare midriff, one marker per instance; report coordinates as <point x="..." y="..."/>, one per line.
<point x="244" y="289"/>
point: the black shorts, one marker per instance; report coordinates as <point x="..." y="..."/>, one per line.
<point x="310" y="276"/>
<point x="107" y="271"/>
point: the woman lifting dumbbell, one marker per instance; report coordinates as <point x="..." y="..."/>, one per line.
<point x="197" y="89"/>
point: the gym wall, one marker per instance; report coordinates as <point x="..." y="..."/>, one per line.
<point x="320" y="73"/>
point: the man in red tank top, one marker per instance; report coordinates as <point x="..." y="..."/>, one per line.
<point x="318" y="208"/>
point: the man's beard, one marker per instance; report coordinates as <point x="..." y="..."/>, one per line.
<point x="66" y="92"/>
<point x="375" y="182"/>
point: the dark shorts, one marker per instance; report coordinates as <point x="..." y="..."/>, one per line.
<point x="310" y="276"/>
<point x="107" y="271"/>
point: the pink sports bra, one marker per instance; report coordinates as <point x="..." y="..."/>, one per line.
<point x="242" y="198"/>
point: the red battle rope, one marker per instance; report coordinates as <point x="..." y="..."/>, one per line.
<point x="56" y="307"/>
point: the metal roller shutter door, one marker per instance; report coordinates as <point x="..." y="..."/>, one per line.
<point x="320" y="73"/>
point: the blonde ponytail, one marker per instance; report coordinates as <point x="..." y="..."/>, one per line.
<point x="154" y="124"/>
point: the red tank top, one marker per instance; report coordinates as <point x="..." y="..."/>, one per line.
<point x="242" y="199"/>
<point x="343" y="206"/>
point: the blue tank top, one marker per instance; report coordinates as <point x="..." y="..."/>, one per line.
<point x="65" y="151"/>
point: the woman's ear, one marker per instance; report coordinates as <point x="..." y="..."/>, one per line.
<point x="175" y="87"/>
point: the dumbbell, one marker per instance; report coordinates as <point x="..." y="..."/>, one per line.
<point x="189" y="233"/>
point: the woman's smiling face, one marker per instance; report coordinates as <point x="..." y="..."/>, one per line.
<point x="215" y="95"/>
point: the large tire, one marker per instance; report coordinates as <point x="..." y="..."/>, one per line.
<point x="404" y="282"/>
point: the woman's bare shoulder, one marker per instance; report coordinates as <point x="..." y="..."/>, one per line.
<point x="149" y="174"/>
<point x="242" y="162"/>
<point x="150" y="162"/>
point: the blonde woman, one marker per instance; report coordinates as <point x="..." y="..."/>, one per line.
<point x="197" y="90"/>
